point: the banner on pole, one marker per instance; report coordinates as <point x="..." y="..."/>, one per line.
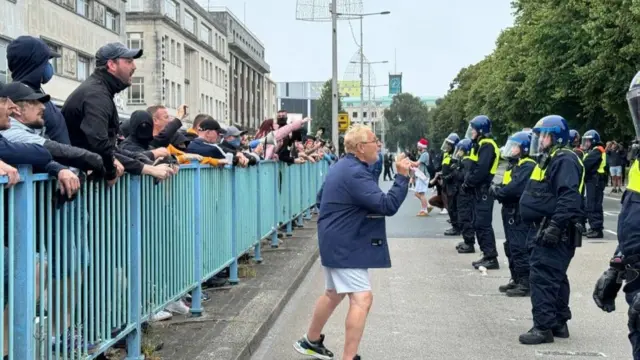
<point x="395" y="84"/>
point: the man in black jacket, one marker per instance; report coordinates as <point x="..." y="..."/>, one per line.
<point x="92" y="116"/>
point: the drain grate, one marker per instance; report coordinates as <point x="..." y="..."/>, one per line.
<point x="569" y="353"/>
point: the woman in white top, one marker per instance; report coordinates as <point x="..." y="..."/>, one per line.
<point x="422" y="185"/>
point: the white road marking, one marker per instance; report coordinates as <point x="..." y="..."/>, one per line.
<point x="611" y="232"/>
<point x="611" y="213"/>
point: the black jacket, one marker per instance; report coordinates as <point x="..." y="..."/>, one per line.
<point x="93" y="123"/>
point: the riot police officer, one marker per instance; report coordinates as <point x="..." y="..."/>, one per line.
<point x="626" y="262"/>
<point x="486" y="153"/>
<point x="574" y="139"/>
<point x="449" y="187"/>
<point x="465" y="199"/>
<point x="517" y="232"/>
<point x="595" y="162"/>
<point x="552" y="202"/>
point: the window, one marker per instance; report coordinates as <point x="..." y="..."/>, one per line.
<point x="56" y="62"/>
<point x="171" y="9"/>
<point x="201" y="68"/>
<point x="134" y="40"/>
<point x="205" y="34"/>
<point x="136" y="91"/>
<point x="111" y="20"/>
<point x="173" y="96"/>
<point x="190" y="23"/>
<point x="4" y="66"/>
<point x="82" y="7"/>
<point x="172" y="58"/>
<point x="202" y="103"/>
<point x="179" y="94"/>
<point x="210" y="72"/>
<point x="134" y="5"/>
<point x="354" y="115"/>
<point x="178" y="54"/>
<point x="83" y="68"/>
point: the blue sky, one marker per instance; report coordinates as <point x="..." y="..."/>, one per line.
<point x="433" y="39"/>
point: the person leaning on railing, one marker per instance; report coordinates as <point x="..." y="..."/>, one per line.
<point x="206" y="144"/>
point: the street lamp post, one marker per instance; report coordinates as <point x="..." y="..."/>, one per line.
<point x="362" y="86"/>
<point x="334" y="76"/>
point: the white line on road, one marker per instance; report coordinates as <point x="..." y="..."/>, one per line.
<point x="612" y="213"/>
<point x="611" y="232"/>
<point x="612" y="198"/>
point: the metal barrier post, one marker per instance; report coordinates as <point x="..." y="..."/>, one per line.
<point x="290" y="220"/>
<point x="23" y="301"/>
<point x="276" y="206"/>
<point x="257" y="253"/>
<point x="134" y="339"/>
<point x="233" y="268"/>
<point x="196" y="295"/>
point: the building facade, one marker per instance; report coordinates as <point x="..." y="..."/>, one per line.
<point x="270" y="98"/>
<point x="73" y="28"/>
<point x="247" y="71"/>
<point x="185" y="57"/>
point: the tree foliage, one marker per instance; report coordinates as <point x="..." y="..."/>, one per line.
<point x="573" y="58"/>
<point x="323" y="114"/>
<point x="406" y="121"/>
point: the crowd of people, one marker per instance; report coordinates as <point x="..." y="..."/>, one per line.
<point x="86" y="141"/>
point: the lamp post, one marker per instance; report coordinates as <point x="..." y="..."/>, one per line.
<point x="362" y="62"/>
<point x="362" y="86"/>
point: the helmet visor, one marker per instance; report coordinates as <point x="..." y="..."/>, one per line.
<point x="586" y="143"/>
<point x="446" y="146"/>
<point x="469" y="133"/>
<point x="633" y="99"/>
<point x="511" y="150"/>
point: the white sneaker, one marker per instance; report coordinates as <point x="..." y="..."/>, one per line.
<point x="178" y="307"/>
<point x="160" y="316"/>
<point x="444" y="212"/>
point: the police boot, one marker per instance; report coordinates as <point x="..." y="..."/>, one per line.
<point x="488" y="263"/>
<point x="510" y="285"/>
<point x="595" y="234"/>
<point x="459" y="245"/>
<point x="466" y="249"/>
<point x="452" y="232"/>
<point x="561" y="331"/>
<point x="521" y="289"/>
<point x="536" y="336"/>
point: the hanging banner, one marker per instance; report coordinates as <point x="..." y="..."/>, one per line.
<point x="349" y="88"/>
<point x="395" y="84"/>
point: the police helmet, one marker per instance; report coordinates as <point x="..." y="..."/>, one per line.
<point x="555" y="126"/>
<point x="462" y="148"/>
<point x="633" y="99"/>
<point x="450" y="142"/>
<point x="481" y="124"/>
<point x="574" y="137"/>
<point x="589" y="139"/>
<point x="517" y="145"/>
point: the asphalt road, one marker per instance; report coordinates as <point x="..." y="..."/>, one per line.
<point x="432" y="305"/>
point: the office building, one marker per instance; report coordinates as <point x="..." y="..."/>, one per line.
<point x="73" y="28"/>
<point x="185" y="57"/>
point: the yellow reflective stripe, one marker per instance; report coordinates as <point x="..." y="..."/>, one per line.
<point x="446" y="159"/>
<point x="603" y="163"/>
<point x="634" y="177"/>
<point x="524" y="160"/>
<point x="538" y="173"/>
<point x="506" y="178"/>
<point x="496" y="149"/>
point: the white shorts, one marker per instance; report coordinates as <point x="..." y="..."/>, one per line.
<point x="346" y="281"/>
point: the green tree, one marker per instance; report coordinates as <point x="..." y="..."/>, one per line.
<point x="323" y="114"/>
<point x="406" y="121"/>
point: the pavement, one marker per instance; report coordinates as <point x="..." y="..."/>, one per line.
<point x="433" y="305"/>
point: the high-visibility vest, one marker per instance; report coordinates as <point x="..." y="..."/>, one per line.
<point x="446" y="159"/>
<point x="506" y="178"/>
<point x="634" y="177"/>
<point x="603" y="156"/>
<point x="538" y="172"/>
<point x="496" y="149"/>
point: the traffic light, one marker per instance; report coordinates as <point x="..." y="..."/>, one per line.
<point x="343" y="121"/>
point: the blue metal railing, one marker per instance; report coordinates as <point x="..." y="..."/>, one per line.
<point x="83" y="275"/>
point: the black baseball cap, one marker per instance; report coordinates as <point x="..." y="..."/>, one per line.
<point x="17" y="91"/>
<point x="115" y="50"/>
<point x="210" y="124"/>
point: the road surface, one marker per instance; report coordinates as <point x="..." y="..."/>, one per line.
<point x="433" y="305"/>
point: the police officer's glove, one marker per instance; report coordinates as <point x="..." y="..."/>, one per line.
<point x="465" y="187"/>
<point x="606" y="290"/>
<point x="552" y="235"/>
<point x="493" y="189"/>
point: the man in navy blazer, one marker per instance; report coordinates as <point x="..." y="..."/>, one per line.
<point x="352" y="238"/>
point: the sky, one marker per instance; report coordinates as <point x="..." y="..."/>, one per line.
<point x="432" y="39"/>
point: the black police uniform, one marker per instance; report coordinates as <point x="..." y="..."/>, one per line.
<point x="517" y="232"/>
<point x="595" y="181"/>
<point x="486" y="154"/>
<point x="466" y="205"/>
<point x="450" y="188"/>
<point x="552" y="202"/>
